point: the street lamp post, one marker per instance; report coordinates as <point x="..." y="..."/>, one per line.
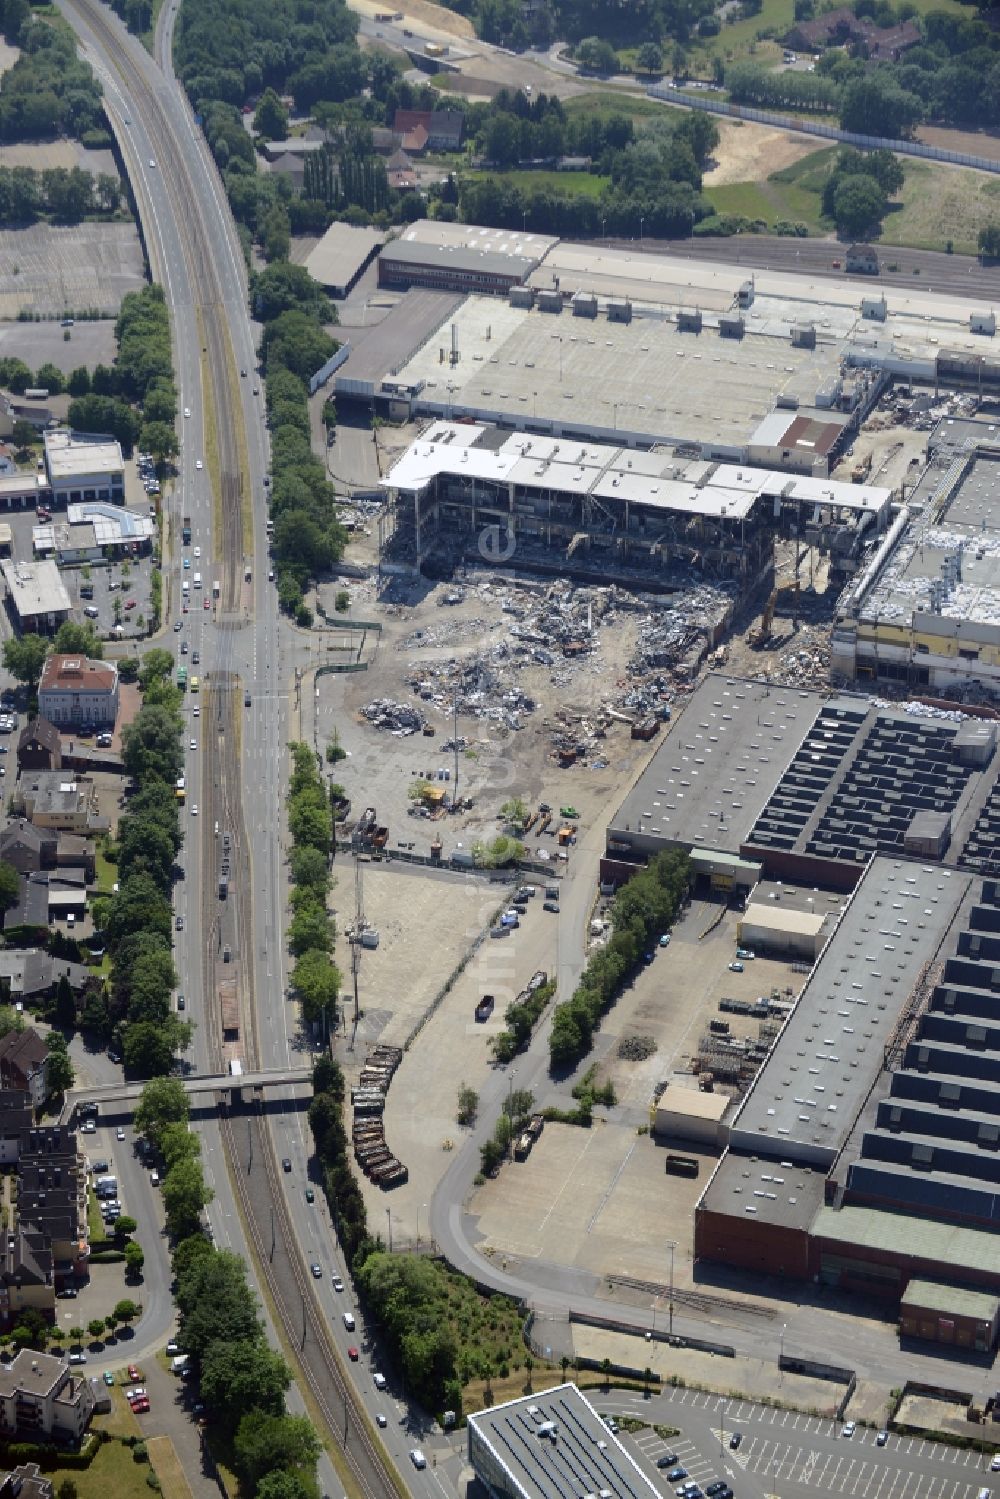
<point x="641" y="222"/>
<point x="670" y="1330"/>
<point x="510" y="1117"/>
<point x="781" y="1349"/>
<point x="388" y="1214"/>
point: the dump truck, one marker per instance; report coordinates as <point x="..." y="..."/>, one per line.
<point x="186" y="530"/>
<point x="522" y="1149"/>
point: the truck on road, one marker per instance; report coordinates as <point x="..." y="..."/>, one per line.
<point x="186" y="530"/>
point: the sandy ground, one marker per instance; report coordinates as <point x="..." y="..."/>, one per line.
<point x="747" y="153"/>
<point x="423" y="11"/>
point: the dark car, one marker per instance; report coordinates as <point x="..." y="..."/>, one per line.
<point x="667" y="1460"/>
<point x="676" y="1474"/>
<point x="718" y="1487"/>
<point x="317" y="1270"/>
<point x="551" y="905"/>
<point x="735" y="1440"/>
<point x="286" y="1164"/>
<point x="310" y="1195"/>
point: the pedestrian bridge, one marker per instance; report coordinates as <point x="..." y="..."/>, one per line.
<point x="121" y="1098"/>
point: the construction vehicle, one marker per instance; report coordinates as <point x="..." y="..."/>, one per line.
<point x="761" y="635"/>
<point x="861" y="469"/>
<point x="543" y="823"/>
<point x="522" y="1149"/>
<point x="186" y="530"/>
<point x="530" y="821"/>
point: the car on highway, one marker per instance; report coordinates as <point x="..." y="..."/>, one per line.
<point x="184" y="648"/>
<point x="317" y="1270"/>
<point x="194" y="810"/>
<point x="349" y="1321"/>
<point x="187" y="564"/>
<point x="178" y="923"/>
<point x="417" y="1458"/>
<point x="199" y="464"/>
<point x="197" y="552"/>
<point x="995" y="1464"/>
<point x="736" y="967"/>
<point x="195" y="711"/>
<point x="380" y="1420"/>
<point x="353" y="1355"/>
<point x="119" y="1133"/>
<point x="310" y="1195"/>
<point x="286" y="1164"/>
<point x="848" y="1429"/>
<point x="193" y="744"/>
<point x="177" y="626"/>
<point x="338" y="1284"/>
<point x="195" y="658"/>
<point x="152" y="163"/>
<point x="208" y="602"/>
<point x="187" y="410"/>
<point x="378" y="1380"/>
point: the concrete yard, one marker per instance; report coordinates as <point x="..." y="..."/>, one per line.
<point x="50" y="270"/>
<point x="89" y="343"/>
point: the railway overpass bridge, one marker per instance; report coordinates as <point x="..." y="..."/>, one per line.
<point x="213" y="1090"/>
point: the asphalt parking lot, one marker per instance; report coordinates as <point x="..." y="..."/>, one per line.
<point x="787" y="1452"/>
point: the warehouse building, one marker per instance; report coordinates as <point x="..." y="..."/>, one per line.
<point x="551" y="1446"/>
<point x="460" y="257"/>
<point x="952" y="1315"/>
<point x="345" y="251"/>
<point x="94" y="530"/>
<point x="780" y="931"/>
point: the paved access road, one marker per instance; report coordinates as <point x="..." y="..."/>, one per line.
<point x="790" y="1454"/>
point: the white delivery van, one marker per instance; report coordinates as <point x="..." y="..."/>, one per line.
<point x="197" y="580"/>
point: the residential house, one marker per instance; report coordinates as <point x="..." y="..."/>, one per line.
<point x="26" y="1278"/>
<point x="33" y="849"/>
<point x="401" y="172"/>
<point x="16" y="1116"/>
<point x="31" y="912"/>
<point x="52" y="1196"/>
<point x="39" y="746"/>
<point x="40" y="1397"/>
<point x="444" y="129"/>
<point x="23" y="1064"/>
<point x="74" y="691"/>
<point x="291" y="166"/>
<point x="31" y="974"/>
<point x="384" y="140"/>
<point x="25" y="1482"/>
<point x="57" y="799"/>
<point x="840" y="26"/>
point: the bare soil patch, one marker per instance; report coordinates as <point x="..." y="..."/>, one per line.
<point x="750" y="153"/>
<point x="972" y="142"/>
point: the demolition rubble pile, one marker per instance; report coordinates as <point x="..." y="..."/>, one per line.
<point x="399" y="718"/>
<point x="805" y="662"/>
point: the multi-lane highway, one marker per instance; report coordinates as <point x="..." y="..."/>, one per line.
<point x="239" y="723"/>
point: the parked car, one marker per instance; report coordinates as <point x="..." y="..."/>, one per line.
<point x="848" y="1429"/>
<point x="736" y="967"/>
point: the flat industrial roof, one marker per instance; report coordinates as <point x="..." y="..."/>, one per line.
<point x="693" y="1102"/>
<point x="68" y="454"/>
<point x="719" y="763"/>
<point x="645" y="377"/>
<point x="586" y="1457"/>
<point x="951" y="1300"/>
<point x="807" y="1096"/>
<point x="459" y="257"/>
<point x="457" y="236"/>
<point x="36" y="588"/>
<point x="782" y="919"/>
<point x="918" y="1238"/>
<point x="342" y="253"/>
<point x="766" y="1191"/>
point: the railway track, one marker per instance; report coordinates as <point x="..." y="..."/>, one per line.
<point x="260" y="1191"/>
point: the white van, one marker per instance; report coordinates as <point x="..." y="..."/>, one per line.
<point x="417" y="1458"/>
<point x="185" y="587"/>
<point x="349" y="1321"/>
<point x="197" y="580"/>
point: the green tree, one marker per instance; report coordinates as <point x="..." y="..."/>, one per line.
<point x="65" y="1004"/>
<point x="649" y="58"/>
<point x="595" y="55"/>
<point x="125" y="1227"/>
<point x="163" y="1102"/>
<point x="215" y="1302"/>
<point x="185" y="1195"/>
<point x="134" y="1258"/>
<point x="316" y="981"/>
<point x="284" y="1485"/>
<point x="72" y="639"/>
<point x="127" y="1311"/>
<point x="858" y="206"/>
<point x="149" y="1048"/>
<point x="151" y="744"/>
<point x="267" y="1444"/>
<point x="989" y="248"/>
<point x="9" y="886"/>
<point x="95" y="1327"/>
<point x="468" y="1105"/>
<point x="242" y="1376"/>
<point x="25" y="657"/>
<point x="514" y="812"/>
<point x="59" y="1073"/>
<point x="10" y="1020"/>
<point x="271" y="117"/>
<point x="160" y="439"/>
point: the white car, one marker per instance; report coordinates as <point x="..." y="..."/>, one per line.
<point x="378" y="1380"/>
<point x="199" y="465"/>
<point x="187" y="410"/>
<point x="119" y="1133"/>
<point x="194" y="810"/>
<point x="338" y="1284"/>
<point x="194" y="744"/>
<point x="197" y="553"/>
<point x="849" y="1429"/>
<point x="380" y="1420"/>
<point x="995" y="1464"/>
<point x="196" y="711"/>
<point x="152" y="163"/>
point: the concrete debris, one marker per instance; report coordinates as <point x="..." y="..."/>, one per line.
<point x="401" y="718"/>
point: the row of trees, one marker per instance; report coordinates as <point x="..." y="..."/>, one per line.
<point x="308" y="538"/>
<point x="315" y="977"/>
<point x="65" y="194"/>
<point x="510" y="24"/>
<point x="136" y="400"/>
<point x="513" y="128"/>
<point x="333" y="1151"/>
<point x="641" y="912"/>
<point x="137" y="921"/>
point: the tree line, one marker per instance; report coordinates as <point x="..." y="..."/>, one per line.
<point x="308" y="538"/>
<point x="507" y="22"/>
<point x="64" y="194"/>
<point x="642" y="911"/>
<point x="136" y="399"/>
<point x="315" y="978"/>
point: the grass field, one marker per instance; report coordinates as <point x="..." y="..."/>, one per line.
<point x="582" y="184"/>
<point x="604" y="103"/>
<point x="166" y="1465"/>
<point x="113" y="1472"/>
<point x="794" y="194"/>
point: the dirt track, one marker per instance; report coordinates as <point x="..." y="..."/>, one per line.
<point x="750" y="153"/>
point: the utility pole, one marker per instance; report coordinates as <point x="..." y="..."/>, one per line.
<point x="359" y="922"/>
<point x="671" y="1327"/>
<point x="454" y="794"/>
